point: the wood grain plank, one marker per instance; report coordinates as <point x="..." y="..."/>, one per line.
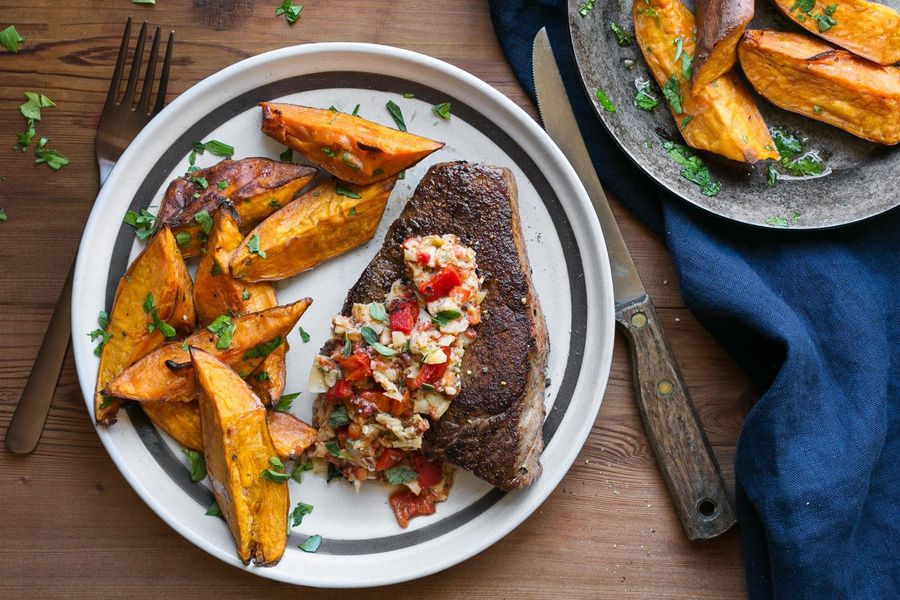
<point x="71" y="525"/>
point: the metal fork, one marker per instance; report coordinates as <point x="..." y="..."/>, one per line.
<point x="120" y="122"/>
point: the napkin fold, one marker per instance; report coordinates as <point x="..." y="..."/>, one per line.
<point x="813" y="319"/>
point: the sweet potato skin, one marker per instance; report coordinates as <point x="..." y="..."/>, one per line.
<point x="158" y="270"/>
<point x="319" y="225"/>
<point x="349" y="147"/>
<point x="165" y="375"/>
<point x="806" y="76"/>
<point x="724" y="120"/>
<point x="237" y="447"/>
<point x="290" y="435"/>
<point x="215" y="292"/>
<point x="720" y="24"/>
<point x="257" y="187"/>
<point x="869" y="29"/>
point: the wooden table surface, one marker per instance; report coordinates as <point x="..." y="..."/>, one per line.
<point x="69" y="523"/>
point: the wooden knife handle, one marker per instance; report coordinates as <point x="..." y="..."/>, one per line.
<point x="673" y="427"/>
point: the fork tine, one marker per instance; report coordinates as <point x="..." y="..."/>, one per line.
<point x="135" y="66"/>
<point x="113" y="95"/>
<point x="164" y="78"/>
<point x="144" y="101"/>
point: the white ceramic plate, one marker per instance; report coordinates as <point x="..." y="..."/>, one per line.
<point x="362" y="544"/>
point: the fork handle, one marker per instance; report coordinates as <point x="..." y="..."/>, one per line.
<point x="28" y="421"/>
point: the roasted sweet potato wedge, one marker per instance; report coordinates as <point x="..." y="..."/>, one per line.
<point x="215" y="292"/>
<point x="269" y="377"/>
<point x="290" y="435"/>
<point x="722" y="118"/>
<point x="349" y="147"/>
<point x="156" y="287"/>
<point x="165" y="375"/>
<point x="238" y="448"/>
<point x="868" y="29"/>
<point x="327" y="221"/>
<point x="807" y="76"/>
<point x="257" y="187"/>
<point x="720" y="24"/>
<point x="181" y="420"/>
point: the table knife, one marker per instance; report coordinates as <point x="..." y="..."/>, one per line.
<point x="673" y="427"/>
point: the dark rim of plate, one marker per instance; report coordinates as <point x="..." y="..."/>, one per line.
<point x="169" y="159"/>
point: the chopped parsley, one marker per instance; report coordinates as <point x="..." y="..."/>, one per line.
<point x="349" y="160"/>
<point x="672" y="93"/>
<point x="223" y="328"/>
<point x="262" y="376"/>
<point x="825" y="21"/>
<point x="643" y="99"/>
<point x="196" y="464"/>
<point x="352" y="212"/>
<point x="201" y="181"/>
<point x="290" y="11"/>
<point x="303" y="335"/>
<point x="10" y="39"/>
<point x="150" y="308"/>
<point x="686" y="120"/>
<point x="780" y="221"/>
<point x="264" y="349"/>
<point x="102" y="319"/>
<point x="789" y="147"/>
<point x="817" y="109"/>
<point x="245" y="295"/>
<point x="355" y="110"/>
<point x="408" y="95"/>
<point x="342" y="191"/>
<point x="771" y="175"/>
<point x="396" y="114"/>
<point x="24" y="139"/>
<point x="216" y="269"/>
<point x="328" y="152"/>
<point x="54" y="159"/>
<point x="585" y="7"/>
<point x="301" y="510"/>
<point x="284" y="403"/>
<point x="141" y="221"/>
<point x="398" y="475"/>
<point x="623" y="38"/>
<point x="803" y="5"/>
<point x="205" y="222"/>
<point x="693" y="168"/>
<point x="299" y="468"/>
<point x="31" y="109"/>
<point x="273" y="203"/>
<point x="311" y="544"/>
<point x="222" y="184"/>
<point x="3" y="216"/>
<point x="604" y="100"/>
<point x="214" y="147"/>
<point x="213" y="510"/>
<point x="333" y="448"/>
<point x="287" y="155"/>
<point x="183" y="238"/>
<point x="442" y="110"/>
<point x="253" y="246"/>
<point x="276" y="473"/>
<point x="338" y="416"/>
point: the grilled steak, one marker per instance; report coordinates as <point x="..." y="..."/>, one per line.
<point x="493" y="427"/>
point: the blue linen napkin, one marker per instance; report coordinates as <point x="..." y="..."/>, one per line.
<point x="811" y="316"/>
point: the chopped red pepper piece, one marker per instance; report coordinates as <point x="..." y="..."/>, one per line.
<point x="356" y="367"/>
<point x="339" y="392"/>
<point x="441" y="283"/>
<point x="404" y="314"/>
<point x="430" y="472"/>
<point x="407" y="505"/>
<point x="430" y="374"/>
<point x="378" y="399"/>
<point x="388" y="458"/>
<point x="423" y="258"/>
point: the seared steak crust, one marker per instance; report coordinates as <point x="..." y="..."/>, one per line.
<point x="493" y="427"/>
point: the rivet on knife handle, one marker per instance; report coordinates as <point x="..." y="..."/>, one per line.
<point x="673" y="428"/>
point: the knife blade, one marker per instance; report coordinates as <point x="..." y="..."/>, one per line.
<point x="673" y="427"/>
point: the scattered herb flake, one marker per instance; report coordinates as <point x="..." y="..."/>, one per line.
<point x="31" y="109"/>
<point x="10" y="39"/>
<point x="817" y="109"/>
<point x="216" y="269"/>
<point x="223" y="328"/>
<point x="253" y="246"/>
<point x="3" y="216"/>
<point x="693" y="168"/>
<point x="687" y="66"/>
<point x="215" y="147"/>
<point x="825" y="21"/>
<point x="311" y="544"/>
<point x="398" y="475"/>
<point x="301" y="510"/>
<point x="203" y="219"/>
<point x="623" y="38"/>
<point x="355" y="110"/>
<point x="213" y="510"/>
<point x="264" y="349"/>
<point x="352" y="212"/>
<point x="686" y="120"/>
<point x="303" y="335"/>
<point x="54" y="159"/>
<point x="150" y="308"/>
<point x="672" y="93"/>
<point x="284" y="403"/>
<point x="290" y="11"/>
<point x="196" y="464"/>
<point x="262" y="376"/>
<point x="342" y="191"/>
<point x="274" y="476"/>
<point x="299" y="468"/>
<point x="805" y="166"/>
<point x="333" y="448"/>
<point x="141" y="221"/>
<point x="349" y="160"/>
<point x="408" y="95"/>
<point x="245" y="295"/>
<point x="338" y="416"/>
<point x="273" y="203"/>
<point x="328" y="152"/>
<point x="771" y="175"/>
<point x="24" y="139"/>
<point x="643" y="99"/>
<point x="102" y="319"/>
<point x="442" y="110"/>
<point x="604" y="100"/>
<point x="183" y="238"/>
<point x="585" y="7"/>
<point x="287" y="155"/>
<point x="803" y="5"/>
<point x="679" y="47"/>
<point x="396" y="114"/>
